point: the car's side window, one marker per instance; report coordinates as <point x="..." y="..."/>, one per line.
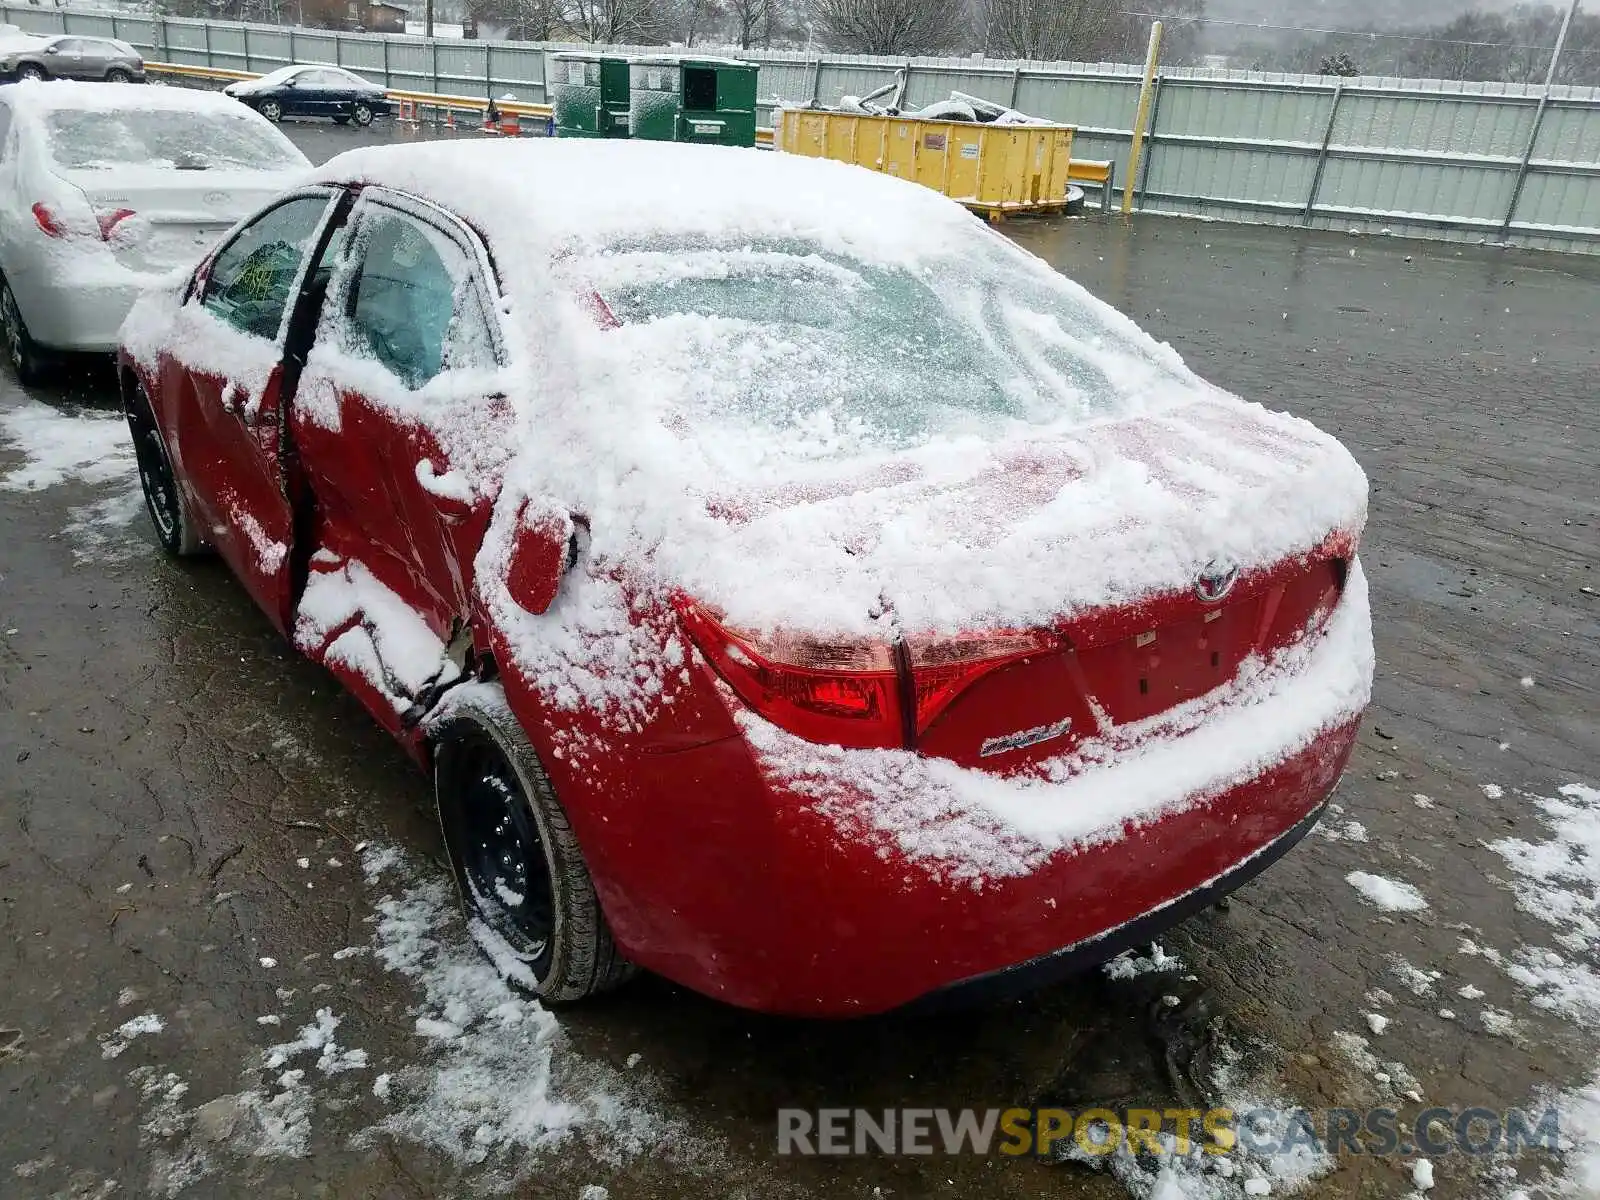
<point x="412" y="301"/>
<point x="253" y="277"/>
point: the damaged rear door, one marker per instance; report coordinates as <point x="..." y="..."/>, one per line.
<point x="402" y="433"/>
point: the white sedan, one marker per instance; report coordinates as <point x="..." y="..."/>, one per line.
<point x="108" y="190"/>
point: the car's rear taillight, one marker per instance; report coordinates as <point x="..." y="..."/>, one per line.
<point x="943" y="668"/>
<point x="48" y="221"/>
<point x="110" y="220"/>
<point x="853" y="692"/>
<point x="844" y="692"/>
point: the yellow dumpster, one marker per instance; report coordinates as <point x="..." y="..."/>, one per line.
<point x="992" y="169"/>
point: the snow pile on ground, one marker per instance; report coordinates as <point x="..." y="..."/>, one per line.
<point x="1391" y="895"/>
<point x="271" y="1117"/>
<point x="1198" y="1175"/>
<point x="115" y="1044"/>
<point x="494" y="1081"/>
<point x="65" y="447"/>
<point x="1558" y="882"/>
<point x="1130" y="963"/>
<point x="91" y="449"/>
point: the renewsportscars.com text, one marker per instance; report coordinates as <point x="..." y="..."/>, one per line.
<point x="1437" y="1132"/>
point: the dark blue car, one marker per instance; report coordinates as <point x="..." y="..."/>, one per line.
<point x="311" y="90"/>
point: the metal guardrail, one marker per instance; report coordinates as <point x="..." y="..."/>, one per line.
<point x="1485" y="162"/>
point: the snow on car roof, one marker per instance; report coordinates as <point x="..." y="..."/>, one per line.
<point x="30" y="96"/>
<point x="289" y="72"/>
<point x="571" y="193"/>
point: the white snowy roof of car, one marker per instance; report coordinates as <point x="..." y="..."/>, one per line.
<point x="32" y="97"/>
<point x="289" y="72"/>
<point x="546" y="195"/>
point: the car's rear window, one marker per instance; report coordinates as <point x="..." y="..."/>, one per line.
<point x="788" y="334"/>
<point x="88" y="139"/>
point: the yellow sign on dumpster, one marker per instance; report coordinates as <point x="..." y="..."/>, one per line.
<point x="994" y="169"/>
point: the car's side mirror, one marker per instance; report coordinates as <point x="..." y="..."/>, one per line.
<point x="540" y="556"/>
<point x="52" y="49"/>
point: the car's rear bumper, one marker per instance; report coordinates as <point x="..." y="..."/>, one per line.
<point x="801" y="879"/>
<point x="81" y="317"/>
<point x="1138" y="932"/>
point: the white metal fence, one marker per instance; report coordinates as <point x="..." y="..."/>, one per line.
<point x="1495" y="162"/>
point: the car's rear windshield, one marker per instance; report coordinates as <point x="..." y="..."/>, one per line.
<point x="788" y="333"/>
<point x="89" y="139"/>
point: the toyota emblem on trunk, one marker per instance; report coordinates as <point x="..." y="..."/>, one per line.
<point x="1216" y="580"/>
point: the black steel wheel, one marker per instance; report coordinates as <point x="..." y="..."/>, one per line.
<point x="169" y="513"/>
<point x="27" y="360"/>
<point x="529" y="899"/>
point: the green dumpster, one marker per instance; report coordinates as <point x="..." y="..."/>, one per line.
<point x="589" y="95"/>
<point x="710" y="100"/>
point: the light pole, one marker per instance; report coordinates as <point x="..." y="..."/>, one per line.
<point x="1561" y="43"/>
<point x="1538" y="122"/>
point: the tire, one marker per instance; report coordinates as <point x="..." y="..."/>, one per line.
<point x="27" y="360"/>
<point x="31" y="71"/>
<point x="271" y="110"/>
<point x="118" y="75"/>
<point x="508" y="836"/>
<point x="361" y="113"/>
<point x="174" y="524"/>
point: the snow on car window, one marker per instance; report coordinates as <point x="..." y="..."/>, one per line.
<point x="837" y="355"/>
<point x="90" y="139"/>
<point x="405" y="298"/>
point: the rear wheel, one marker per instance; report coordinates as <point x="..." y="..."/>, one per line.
<point x="118" y="75"/>
<point x="361" y="113"/>
<point x="521" y="874"/>
<point x="270" y="109"/>
<point x="27" y="360"/>
<point x="31" y="71"/>
<point x="169" y="512"/>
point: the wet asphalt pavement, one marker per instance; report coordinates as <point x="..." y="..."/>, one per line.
<point x="166" y="762"/>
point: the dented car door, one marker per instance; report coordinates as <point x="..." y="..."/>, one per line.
<point x="401" y="433"/>
<point x="225" y="381"/>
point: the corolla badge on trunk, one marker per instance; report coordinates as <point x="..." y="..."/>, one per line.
<point x="1216" y="580"/>
<point x="1024" y="739"/>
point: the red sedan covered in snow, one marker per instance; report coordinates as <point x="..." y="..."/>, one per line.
<point x="795" y="588"/>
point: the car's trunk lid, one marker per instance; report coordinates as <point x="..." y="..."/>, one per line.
<point x="156" y="219"/>
<point x="1215" y="544"/>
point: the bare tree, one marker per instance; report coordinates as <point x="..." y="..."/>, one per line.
<point x="752" y="21"/>
<point x="890" y="26"/>
<point x="524" y="20"/>
<point x="685" y="20"/>
<point x="609" y="22"/>
<point x="1047" y="29"/>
